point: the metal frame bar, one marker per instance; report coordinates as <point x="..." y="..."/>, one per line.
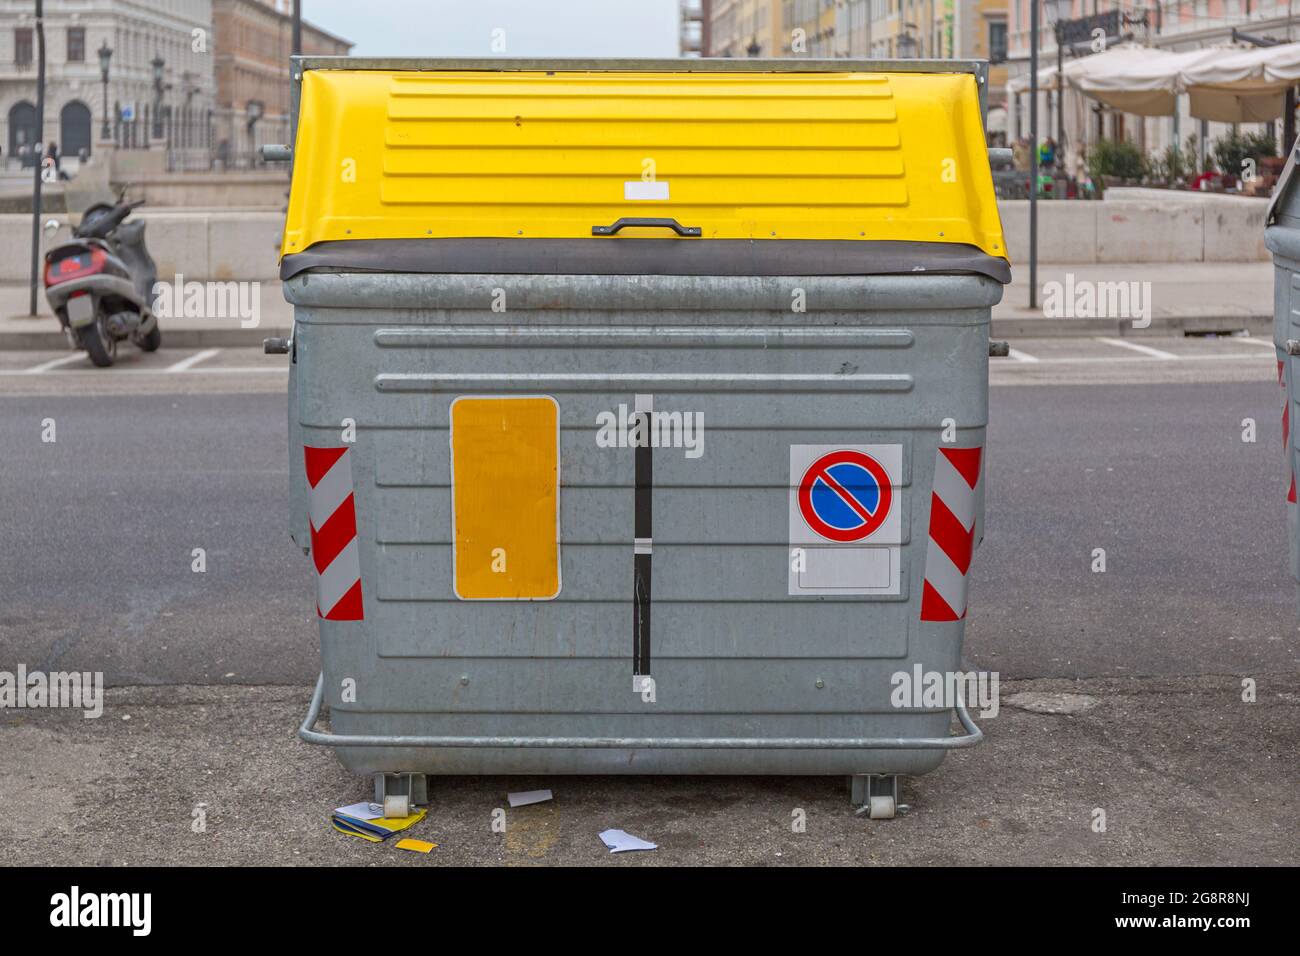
<point x="972" y="737"/>
<point x="630" y="64"/>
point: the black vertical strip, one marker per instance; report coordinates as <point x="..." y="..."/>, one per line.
<point x="641" y="556"/>
<point x="641" y="615"/>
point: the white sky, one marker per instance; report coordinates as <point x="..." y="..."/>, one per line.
<point x="586" y="28"/>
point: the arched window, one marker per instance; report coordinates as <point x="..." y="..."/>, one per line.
<point x="22" y="126"/>
<point x="74" y="128"/>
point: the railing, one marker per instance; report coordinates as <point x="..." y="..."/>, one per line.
<point x="198" y="139"/>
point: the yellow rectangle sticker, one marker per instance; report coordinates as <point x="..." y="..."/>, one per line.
<point x="505" y="485"/>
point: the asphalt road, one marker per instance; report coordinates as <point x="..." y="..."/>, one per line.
<point x="211" y="670"/>
<point x="104" y="523"/>
<point x="1191" y="518"/>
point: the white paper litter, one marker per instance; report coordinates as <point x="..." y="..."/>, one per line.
<point x="620" y="841"/>
<point x="362" y="811"/>
<point x="525" y="797"/>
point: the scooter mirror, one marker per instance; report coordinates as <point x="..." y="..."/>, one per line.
<point x="51" y="227"/>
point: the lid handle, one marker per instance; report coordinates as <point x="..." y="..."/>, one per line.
<point x="672" y="224"/>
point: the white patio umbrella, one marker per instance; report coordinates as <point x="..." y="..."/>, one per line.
<point x="1243" y="86"/>
<point x="1075" y="67"/>
<point x="1224" y="84"/>
<point x="1137" y="80"/>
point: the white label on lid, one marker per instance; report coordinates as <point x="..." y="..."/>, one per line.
<point x="640" y="189"/>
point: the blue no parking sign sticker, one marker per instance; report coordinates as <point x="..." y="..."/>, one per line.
<point x="846" y="519"/>
<point x="845" y="495"/>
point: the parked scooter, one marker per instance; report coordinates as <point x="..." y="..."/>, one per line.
<point x="100" y="284"/>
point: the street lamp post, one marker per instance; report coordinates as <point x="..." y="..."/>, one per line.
<point x="105" y="55"/>
<point x="40" y="135"/>
<point x="157" y="63"/>
<point x="1033" y="153"/>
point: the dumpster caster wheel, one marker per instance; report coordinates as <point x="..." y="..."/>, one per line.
<point x="876" y="796"/>
<point x="397" y="806"/>
<point x="410" y="788"/>
<point x="880" y="808"/>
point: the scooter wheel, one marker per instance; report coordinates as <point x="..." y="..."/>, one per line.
<point x="98" y="343"/>
<point x="151" y="341"/>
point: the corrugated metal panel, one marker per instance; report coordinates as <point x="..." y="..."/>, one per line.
<point x="741" y="155"/>
<point x="735" y="649"/>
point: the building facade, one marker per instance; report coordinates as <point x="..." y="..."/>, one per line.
<point x="211" y="76"/>
<point x="868" y="29"/>
<point x="738" y="28"/>
<point x="254" y="39"/>
<point x="808" y="28"/>
<point x="693" y="32"/>
<point x="137" y="31"/>
<point x="981" y="33"/>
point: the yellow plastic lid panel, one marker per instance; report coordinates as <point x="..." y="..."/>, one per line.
<point x="385" y="154"/>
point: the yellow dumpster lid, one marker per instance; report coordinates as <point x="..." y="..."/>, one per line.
<point x="708" y="150"/>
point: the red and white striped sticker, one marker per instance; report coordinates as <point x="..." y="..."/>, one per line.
<point x="952" y="533"/>
<point x="334" y="548"/>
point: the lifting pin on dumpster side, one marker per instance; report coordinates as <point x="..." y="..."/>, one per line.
<point x="999" y="349"/>
<point x="274" y="153"/>
<point x="1293" y="346"/>
<point x="276" y="346"/>
<point x="1000" y="157"/>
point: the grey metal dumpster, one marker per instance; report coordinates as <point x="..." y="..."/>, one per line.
<point x="608" y="473"/>
<point x="1282" y="236"/>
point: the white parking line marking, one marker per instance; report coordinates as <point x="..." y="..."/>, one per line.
<point x="1140" y="360"/>
<point x="226" y="370"/>
<point x="53" y="363"/>
<point x="195" y="359"/>
<point x="1249" y="340"/>
<point x="220" y="370"/>
<point x="1020" y="356"/>
<point x="1144" y="349"/>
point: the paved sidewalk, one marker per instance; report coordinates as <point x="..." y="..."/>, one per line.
<point x="1191" y="297"/>
<point x="1185" y="771"/>
<point x="18" y="330"/>
<point x="1184" y="297"/>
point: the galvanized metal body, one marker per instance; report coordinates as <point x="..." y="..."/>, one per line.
<point x="737" y="661"/>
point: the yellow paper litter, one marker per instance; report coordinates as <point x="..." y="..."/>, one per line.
<point x="418" y="846"/>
